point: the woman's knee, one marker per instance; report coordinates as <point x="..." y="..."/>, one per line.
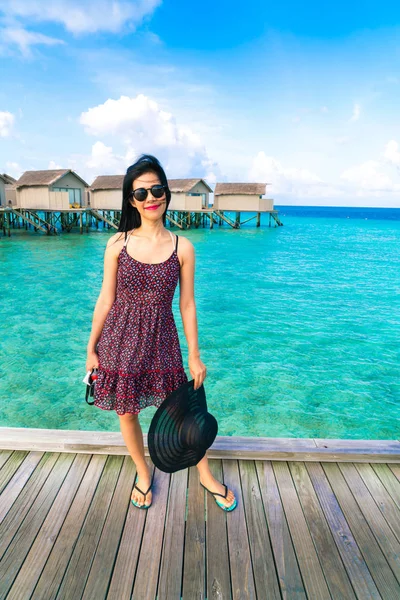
<point x="128" y="417"/>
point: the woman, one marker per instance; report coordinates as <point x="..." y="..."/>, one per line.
<point x="134" y="341"/>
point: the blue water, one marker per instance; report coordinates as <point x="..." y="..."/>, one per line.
<point x="299" y="326"/>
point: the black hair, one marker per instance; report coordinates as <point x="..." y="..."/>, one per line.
<point x="130" y="217"/>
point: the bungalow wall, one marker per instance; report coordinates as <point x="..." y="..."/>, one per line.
<point x="41" y="198"/>
<point x="2" y="193"/>
<point x="11" y="196"/>
<point x="106" y="199"/>
<point x="242" y="203"/>
<point x="33" y="197"/>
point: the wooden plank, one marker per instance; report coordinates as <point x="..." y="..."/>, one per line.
<point x="11" y="466"/>
<point x="226" y="447"/>
<point x="285" y="559"/>
<point x="150" y="552"/>
<point x="193" y="584"/>
<point x="105" y="442"/>
<point x="395" y="470"/>
<point x="389" y="481"/>
<point x="311" y="571"/>
<point x="381" y="496"/>
<point x="73" y="583"/>
<point x="352" y="558"/>
<point x="125" y="567"/>
<point x="38" y="554"/>
<point x="22" y="505"/>
<point x="20" y="476"/>
<point x="335" y="574"/>
<point x="265" y="575"/>
<point x="50" y="577"/>
<point x="217" y="555"/>
<point x="19" y="546"/>
<point x="171" y="567"/>
<point x="384" y="535"/>
<point x="358" y="450"/>
<point x="103" y="563"/>
<point x="373" y="555"/>
<point x="242" y="576"/>
<point x="4" y="456"/>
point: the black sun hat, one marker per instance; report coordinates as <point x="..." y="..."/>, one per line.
<point x="181" y="429"/>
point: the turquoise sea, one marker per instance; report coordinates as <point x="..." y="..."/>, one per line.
<point x="299" y="326"/>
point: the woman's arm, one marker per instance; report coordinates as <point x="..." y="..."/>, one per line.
<point x="187" y="308"/>
<point x="107" y="293"/>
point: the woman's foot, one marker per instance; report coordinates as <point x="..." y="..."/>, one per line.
<point x="143" y="481"/>
<point x="215" y="486"/>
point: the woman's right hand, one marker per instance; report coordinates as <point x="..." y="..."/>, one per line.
<point x="92" y="361"/>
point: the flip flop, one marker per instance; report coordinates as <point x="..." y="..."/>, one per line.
<point x="144" y="494"/>
<point x="225" y="508"/>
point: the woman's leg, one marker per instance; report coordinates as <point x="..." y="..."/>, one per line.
<point x="209" y="481"/>
<point x="133" y="438"/>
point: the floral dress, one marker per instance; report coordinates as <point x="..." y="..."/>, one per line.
<point x="140" y="359"/>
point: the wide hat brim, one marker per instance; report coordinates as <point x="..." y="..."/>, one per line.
<point x="181" y="429"/>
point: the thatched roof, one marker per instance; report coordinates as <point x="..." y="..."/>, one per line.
<point x="114" y="182"/>
<point x="185" y="185"/>
<point x="47" y="177"/>
<point x="3" y="179"/>
<point x="8" y="180"/>
<point x="107" y="182"/>
<point x="240" y="188"/>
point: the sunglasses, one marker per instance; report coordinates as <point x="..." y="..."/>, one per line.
<point x="142" y="193"/>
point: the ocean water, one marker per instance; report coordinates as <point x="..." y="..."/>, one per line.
<point x="299" y="326"/>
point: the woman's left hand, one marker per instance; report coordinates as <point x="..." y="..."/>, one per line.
<point x="197" y="370"/>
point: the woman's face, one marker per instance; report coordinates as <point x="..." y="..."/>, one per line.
<point x="147" y="180"/>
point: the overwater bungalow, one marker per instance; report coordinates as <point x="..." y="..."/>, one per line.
<point x="189" y="194"/>
<point x="106" y="192"/>
<point x="52" y="189"/>
<point x="242" y="197"/>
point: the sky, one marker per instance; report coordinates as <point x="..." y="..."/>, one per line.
<point x="303" y="97"/>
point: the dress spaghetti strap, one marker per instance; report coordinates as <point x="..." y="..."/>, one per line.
<point x="127" y="238"/>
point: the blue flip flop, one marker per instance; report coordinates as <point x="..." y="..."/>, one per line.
<point x="225" y="508"/>
<point x="144" y="494"/>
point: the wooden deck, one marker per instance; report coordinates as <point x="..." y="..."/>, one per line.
<point x="308" y="527"/>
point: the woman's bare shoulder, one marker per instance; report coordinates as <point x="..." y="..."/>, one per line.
<point x="115" y="242"/>
<point x="185" y="243"/>
<point x="185" y="249"/>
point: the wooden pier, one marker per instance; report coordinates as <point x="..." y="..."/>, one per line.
<point x="53" y="222"/>
<point x="316" y="519"/>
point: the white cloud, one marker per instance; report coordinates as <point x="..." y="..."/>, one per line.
<point x="140" y="126"/>
<point x="84" y="16"/>
<point x="392" y="152"/>
<point x="103" y="161"/>
<point x="285" y="180"/>
<point x="368" y="179"/>
<point x="356" y="112"/>
<point x="14" y="169"/>
<point x="54" y="165"/>
<point x="6" y="123"/>
<point x="23" y="39"/>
